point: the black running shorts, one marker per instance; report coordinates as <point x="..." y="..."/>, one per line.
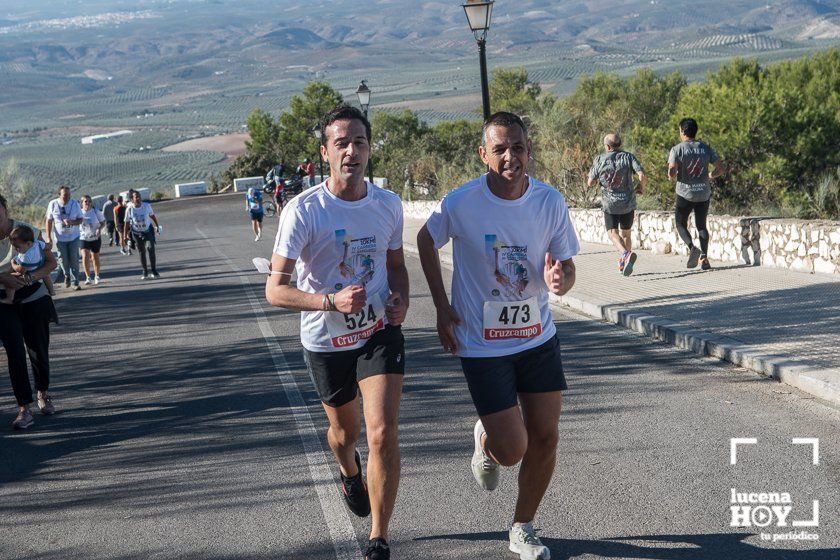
<point x="495" y="382"/>
<point x="336" y="375"/>
<point x="614" y="221"/>
<point x="94" y="246"/>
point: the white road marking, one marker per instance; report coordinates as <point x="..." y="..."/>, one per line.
<point x="342" y="534"/>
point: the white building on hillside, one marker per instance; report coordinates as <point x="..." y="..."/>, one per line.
<point x="102" y="137"/>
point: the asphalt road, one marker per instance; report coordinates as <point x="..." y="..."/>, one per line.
<point x="189" y="429"/>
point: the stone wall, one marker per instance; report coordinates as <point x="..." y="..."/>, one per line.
<point x="808" y="246"/>
<point x="801" y="245"/>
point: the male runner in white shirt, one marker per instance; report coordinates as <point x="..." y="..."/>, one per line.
<point x="344" y="240"/>
<point x="513" y="243"/>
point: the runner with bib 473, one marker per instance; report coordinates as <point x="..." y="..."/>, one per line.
<point x="513" y="243"/>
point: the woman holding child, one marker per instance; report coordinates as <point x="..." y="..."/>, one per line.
<point x="24" y="322"/>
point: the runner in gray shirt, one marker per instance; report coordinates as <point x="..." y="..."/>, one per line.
<point x="688" y="165"/>
<point x="108" y="210"/>
<point x="613" y="170"/>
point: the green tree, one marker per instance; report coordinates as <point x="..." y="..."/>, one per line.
<point x="295" y="138"/>
<point x="397" y="145"/>
<point x="18" y="190"/>
<point x="511" y="90"/>
<point x="264" y="132"/>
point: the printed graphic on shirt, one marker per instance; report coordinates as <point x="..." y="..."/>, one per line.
<point x="504" y="320"/>
<point x="694" y="167"/>
<point x="357" y="263"/>
<point x="613" y="178"/>
<point x="509" y="265"/>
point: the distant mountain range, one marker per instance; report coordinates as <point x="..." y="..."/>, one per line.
<point x="192" y="32"/>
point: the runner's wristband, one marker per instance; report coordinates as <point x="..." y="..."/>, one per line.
<point x="325" y="303"/>
<point x="331" y="299"/>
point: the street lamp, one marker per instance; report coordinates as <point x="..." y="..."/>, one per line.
<point x="478" y="16"/>
<point x="316" y="130"/>
<point x="363" y="94"/>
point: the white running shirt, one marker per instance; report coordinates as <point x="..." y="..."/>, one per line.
<point x="499" y="249"/>
<point x="337" y="243"/>
<point x="89" y="228"/>
<point x="58" y="212"/>
<point x="139" y="219"/>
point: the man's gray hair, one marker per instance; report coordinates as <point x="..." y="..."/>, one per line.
<point x="612" y="140"/>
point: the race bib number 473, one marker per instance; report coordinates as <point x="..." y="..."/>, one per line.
<point x="512" y="319"/>
<point x="346" y="329"/>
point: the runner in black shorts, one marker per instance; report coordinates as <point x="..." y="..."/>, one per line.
<point x="344" y="238"/>
<point x="513" y="243"/>
<point x="688" y="166"/>
<point x="613" y="170"/>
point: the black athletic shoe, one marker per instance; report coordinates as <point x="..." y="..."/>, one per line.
<point x="693" y="257"/>
<point x="704" y="263"/>
<point x="378" y="550"/>
<point x="356" y="493"/>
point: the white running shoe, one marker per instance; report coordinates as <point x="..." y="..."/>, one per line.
<point x="484" y="469"/>
<point x="96" y="280"/>
<point x="87" y="281"/>
<point x="525" y="543"/>
<point x="259" y="236"/>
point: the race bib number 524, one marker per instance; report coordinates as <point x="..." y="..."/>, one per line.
<point x="512" y="319"/>
<point x="346" y="329"/>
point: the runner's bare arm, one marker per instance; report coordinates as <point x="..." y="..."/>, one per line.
<point x="48" y="226"/>
<point x="447" y="318"/>
<point x="719" y="169"/>
<point x="672" y="171"/>
<point x="592" y="182"/>
<point x="559" y="275"/>
<point x="397" y="304"/>
<point x="643" y="179"/>
<point x="279" y="293"/>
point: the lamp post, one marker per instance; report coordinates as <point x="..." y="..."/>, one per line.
<point x="363" y="94"/>
<point x="478" y="16"/>
<point x="316" y="130"/>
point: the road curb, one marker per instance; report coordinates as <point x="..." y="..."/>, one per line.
<point x="821" y="383"/>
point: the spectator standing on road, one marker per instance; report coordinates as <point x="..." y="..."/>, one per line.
<point x="307" y="172"/>
<point x="141" y="221"/>
<point x="91" y="236"/>
<point x="513" y="243"/>
<point x="614" y="170"/>
<point x="688" y="165"/>
<point x="25" y="326"/>
<point x="344" y="239"/>
<point x="64" y="215"/>
<point x="119" y="221"/>
<point x="110" y="224"/>
<point x="254" y="207"/>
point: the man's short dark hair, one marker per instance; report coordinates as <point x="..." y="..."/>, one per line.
<point x="689" y="127"/>
<point x="505" y="119"/>
<point x="62" y="187"/>
<point x="343" y="113"/>
<point x="111" y="197"/>
<point x="22" y="234"/>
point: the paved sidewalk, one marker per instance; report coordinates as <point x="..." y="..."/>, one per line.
<point x="779" y="323"/>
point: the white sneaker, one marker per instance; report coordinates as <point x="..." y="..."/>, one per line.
<point x="484" y="469"/>
<point x="259" y="236"/>
<point x="87" y="281"/>
<point x="96" y="280"/>
<point x="525" y="543"/>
